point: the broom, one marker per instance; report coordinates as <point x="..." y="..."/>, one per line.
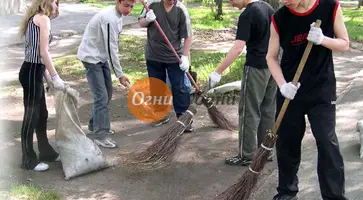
<point x="160" y="152"/>
<point x="217" y="117"/>
<point x="243" y="188"/>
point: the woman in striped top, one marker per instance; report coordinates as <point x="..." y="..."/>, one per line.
<point x="35" y="29"/>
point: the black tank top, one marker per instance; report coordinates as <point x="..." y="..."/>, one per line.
<point x="318" y="78"/>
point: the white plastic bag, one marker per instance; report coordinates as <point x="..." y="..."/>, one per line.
<point x="228" y="87"/>
<point x="79" y="155"/>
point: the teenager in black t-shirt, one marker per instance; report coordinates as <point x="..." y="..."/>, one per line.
<point x="258" y="90"/>
<point x="315" y="95"/>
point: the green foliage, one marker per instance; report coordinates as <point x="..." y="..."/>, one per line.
<point x="203" y="18"/>
<point x="353" y="18"/>
<point x="31" y="192"/>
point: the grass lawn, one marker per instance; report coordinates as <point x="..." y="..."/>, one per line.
<point x="30" y="192"/>
<point x="202" y="17"/>
<point x="132" y="55"/>
<point x="353" y="18"/>
<point x="133" y="62"/>
<point x="100" y="4"/>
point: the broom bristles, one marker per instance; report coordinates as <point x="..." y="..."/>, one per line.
<point x="161" y="151"/>
<point x="246" y="184"/>
<point x="218" y="118"/>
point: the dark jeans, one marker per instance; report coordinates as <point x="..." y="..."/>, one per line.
<point x="179" y="89"/>
<point x="100" y="82"/>
<point x="35" y="116"/>
<point x="321" y="115"/>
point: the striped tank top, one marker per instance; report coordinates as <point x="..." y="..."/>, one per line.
<point x="32" y="42"/>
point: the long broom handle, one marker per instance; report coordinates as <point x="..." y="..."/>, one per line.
<point x="294" y="81"/>
<point x="170" y="46"/>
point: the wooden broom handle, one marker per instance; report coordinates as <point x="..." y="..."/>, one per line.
<point x="170" y="46"/>
<point x="295" y="81"/>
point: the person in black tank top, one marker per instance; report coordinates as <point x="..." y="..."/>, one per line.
<point x="315" y="94"/>
<point x="35" y="29"/>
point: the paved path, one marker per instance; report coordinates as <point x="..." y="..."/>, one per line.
<point x="73" y="19"/>
<point x="349" y="80"/>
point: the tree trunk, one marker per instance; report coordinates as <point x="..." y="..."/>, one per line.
<point x="9" y="7"/>
<point x="360" y="3"/>
<point x="219" y="9"/>
<point x="273" y="3"/>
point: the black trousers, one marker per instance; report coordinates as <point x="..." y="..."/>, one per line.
<point x="321" y="115"/>
<point x="35" y="116"/>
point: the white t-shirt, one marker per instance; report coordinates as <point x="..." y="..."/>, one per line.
<point x="100" y="39"/>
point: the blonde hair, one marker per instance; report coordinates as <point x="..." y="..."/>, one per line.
<point x="37" y="6"/>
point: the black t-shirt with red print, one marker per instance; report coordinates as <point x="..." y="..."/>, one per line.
<point x="318" y="78"/>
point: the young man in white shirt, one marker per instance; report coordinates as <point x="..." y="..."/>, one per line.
<point x="98" y="52"/>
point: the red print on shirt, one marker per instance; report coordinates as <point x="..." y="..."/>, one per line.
<point x="299" y="39"/>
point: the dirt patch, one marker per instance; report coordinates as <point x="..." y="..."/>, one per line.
<point x="215" y="35"/>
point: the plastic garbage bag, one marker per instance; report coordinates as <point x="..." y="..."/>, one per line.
<point x="79" y="155"/>
<point x="228" y="87"/>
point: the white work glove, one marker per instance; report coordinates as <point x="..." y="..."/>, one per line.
<point x="214" y="78"/>
<point x="150" y="16"/>
<point x="184" y="66"/>
<point x="58" y="83"/>
<point x="49" y="82"/>
<point x="315" y="35"/>
<point x="289" y="90"/>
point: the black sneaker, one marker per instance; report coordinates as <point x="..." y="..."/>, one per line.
<point x="284" y="197"/>
<point x="160" y="122"/>
<point x="238" y="161"/>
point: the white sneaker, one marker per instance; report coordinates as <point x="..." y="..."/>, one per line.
<point x="41" y="167"/>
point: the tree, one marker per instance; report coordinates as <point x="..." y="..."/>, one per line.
<point x="9" y="7"/>
<point x="219" y="14"/>
<point x="360" y="3"/>
<point x="275" y="4"/>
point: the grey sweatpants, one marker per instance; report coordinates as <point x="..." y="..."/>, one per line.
<point x="257" y="109"/>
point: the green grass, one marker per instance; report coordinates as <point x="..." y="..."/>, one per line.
<point x="202" y="17"/>
<point x="353" y="18"/>
<point x="30" y="192"/>
<point x="70" y="66"/>
<point x="100" y="4"/>
<point x="133" y="62"/>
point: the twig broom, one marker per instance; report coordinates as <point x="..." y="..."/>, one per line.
<point x="243" y="188"/>
<point x="217" y="116"/>
<point x="160" y="152"/>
